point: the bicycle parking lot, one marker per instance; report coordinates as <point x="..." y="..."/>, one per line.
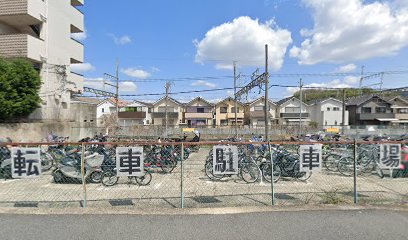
<point x="188" y="185"/>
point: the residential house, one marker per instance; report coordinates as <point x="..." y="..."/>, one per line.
<point x="136" y="113"/>
<point x="328" y="113"/>
<point x="41" y="32"/>
<point x="255" y="112"/>
<point x="174" y="114"/>
<point x="106" y="107"/>
<point x="289" y="111"/>
<point x="199" y="112"/>
<point x="377" y="110"/>
<point x="225" y="113"/>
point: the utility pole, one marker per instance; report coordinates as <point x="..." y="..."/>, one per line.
<point x="235" y="100"/>
<point x="266" y="110"/>
<point x="117" y="91"/>
<point x="343" y="113"/>
<point x="361" y="80"/>
<point x="300" y="111"/>
<point x="167" y="95"/>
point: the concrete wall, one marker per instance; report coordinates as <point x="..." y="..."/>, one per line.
<point x="34" y="132"/>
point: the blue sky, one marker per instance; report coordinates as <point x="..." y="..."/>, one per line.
<point x="197" y="41"/>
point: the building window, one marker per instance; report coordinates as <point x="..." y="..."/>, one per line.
<point x="325" y="123"/>
<point x="402" y="110"/>
<point x="259" y="108"/>
<point x="335" y="123"/>
<point x="163" y="109"/>
<point x="366" y="110"/>
<point x="223" y="109"/>
<point x="328" y="109"/>
<point x="233" y="109"/>
<point x="380" y="110"/>
<point x="103" y="110"/>
<point x="292" y="109"/>
<point x="224" y="122"/>
<point x="336" y="109"/>
<point x="200" y="110"/>
<point x="149" y="110"/>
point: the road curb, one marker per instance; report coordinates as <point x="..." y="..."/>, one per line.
<point x="192" y="211"/>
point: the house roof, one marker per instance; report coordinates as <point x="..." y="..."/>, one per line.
<point x="261" y="98"/>
<point x="325" y="100"/>
<point x="230" y="99"/>
<point x="285" y="100"/>
<point x="356" y="101"/>
<point x="391" y="100"/>
<point x="169" y="98"/>
<point x="142" y="103"/>
<point x="199" y="99"/>
<point x="121" y="103"/>
<point x="88" y="100"/>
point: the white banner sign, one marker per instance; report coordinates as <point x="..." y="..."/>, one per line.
<point x="310" y="158"/>
<point x="129" y="161"/>
<point x="225" y="160"/>
<point x="390" y="156"/>
<point x="25" y="162"/>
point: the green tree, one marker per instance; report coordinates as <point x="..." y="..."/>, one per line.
<point x="19" y="87"/>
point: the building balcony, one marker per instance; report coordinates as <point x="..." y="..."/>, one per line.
<point x="76" y="51"/>
<point x="76" y="82"/>
<point x="375" y="116"/>
<point x="77" y="2"/>
<point x="77" y="21"/>
<point x="22" y="12"/>
<point x="259" y="114"/>
<point x="198" y="115"/>
<point x="401" y="116"/>
<point x="232" y="115"/>
<point x="294" y="115"/>
<point x="163" y="115"/>
<point x="132" y="115"/>
<point x="22" y="46"/>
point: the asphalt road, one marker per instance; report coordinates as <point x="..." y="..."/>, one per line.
<point x="363" y="224"/>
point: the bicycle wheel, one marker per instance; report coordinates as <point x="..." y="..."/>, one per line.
<point x="167" y="165"/>
<point x="330" y="162"/>
<point x="209" y="171"/>
<point x="47" y="161"/>
<point x="301" y="176"/>
<point x="109" y="179"/>
<point x="145" y="179"/>
<point x="266" y="172"/>
<point x="250" y="172"/>
<point x="346" y="166"/>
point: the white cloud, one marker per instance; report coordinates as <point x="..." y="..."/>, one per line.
<point x="82" y="67"/>
<point x="80" y="36"/>
<point x="201" y="83"/>
<point x="243" y="40"/>
<point x="136" y="73"/>
<point x="125" y="39"/>
<point x="350" y="30"/>
<point x="351" y="80"/>
<point x="94" y="82"/>
<point x="346" y="68"/>
<point x="155" y="69"/>
<point x="127" y="87"/>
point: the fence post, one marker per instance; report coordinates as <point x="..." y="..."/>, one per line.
<point x="83" y="173"/>
<point x="182" y="176"/>
<point x="355" y="173"/>
<point x="272" y="180"/>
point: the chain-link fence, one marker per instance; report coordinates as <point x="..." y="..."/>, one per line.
<point x="211" y="174"/>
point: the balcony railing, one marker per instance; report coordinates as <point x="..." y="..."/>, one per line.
<point x="132" y="115"/>
<point x="163" y="115"/>
<point x="17" y="12"/>
<point x="374" y="116"/>
<point x="294" y="115"/>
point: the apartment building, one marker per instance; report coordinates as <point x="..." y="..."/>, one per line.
<point x="255" y="112"/>
<point x="377" y="110"/>
<point x="174" y="113"/>
<point x="328" y="113"/>
<point x="225" y="113"/>
<point x="199" y="112"/>
<point x="40" y="31"/>
<point x="291" y="111"/>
